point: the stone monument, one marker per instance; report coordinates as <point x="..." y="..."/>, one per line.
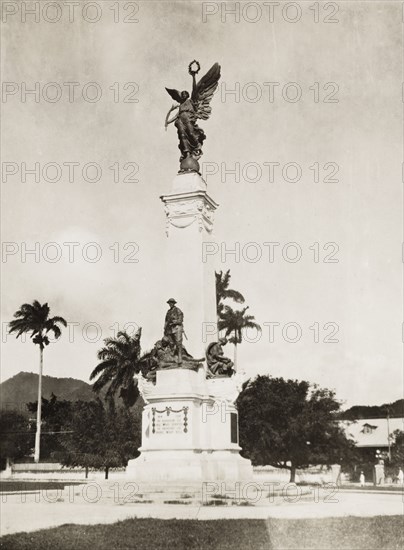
<point x="189" y="421"/>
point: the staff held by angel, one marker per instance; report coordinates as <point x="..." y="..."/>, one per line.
<point x="190" y="109"/>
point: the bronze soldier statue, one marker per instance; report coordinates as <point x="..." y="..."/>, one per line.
<point x="218" y="364"/>
<point x="174" y="327"/>
<point x="163" y="353"/>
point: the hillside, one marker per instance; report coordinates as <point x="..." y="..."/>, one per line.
<point x="374" y="411"/>
<point x="23" y="388"/>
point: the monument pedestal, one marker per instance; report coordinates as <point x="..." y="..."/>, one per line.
<point x="189" y="430"/>
<point x="189" y="422"/>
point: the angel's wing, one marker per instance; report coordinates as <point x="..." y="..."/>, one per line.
<point x="204" y="90"/>
<point x="175" y="94"/>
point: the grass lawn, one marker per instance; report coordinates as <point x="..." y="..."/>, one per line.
<point x="348" y="533"/>
<point x="275" y="534"/>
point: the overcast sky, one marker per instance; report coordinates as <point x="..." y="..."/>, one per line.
<point x="346" y="127"/>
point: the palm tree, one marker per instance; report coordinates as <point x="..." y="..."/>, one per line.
<point x="223" y="291"/>
<point x="34" y="318"/>
<point x="233" y="322"/>
<point x="120" y="359"/>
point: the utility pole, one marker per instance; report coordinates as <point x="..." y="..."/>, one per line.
<point x="388" y="435"/>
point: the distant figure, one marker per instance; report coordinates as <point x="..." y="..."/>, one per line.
<point x="173" y="328"/>
<point x="400" y="476"/>
<point x="362" y="479"/>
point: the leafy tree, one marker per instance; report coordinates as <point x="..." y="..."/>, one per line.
<point x="288" y="424"/>
<point x="233" y="322"/>
<point x="103" y="436"/>
<point x="34" y="318"/>
<point x="397" y="449"/>
<point x="55" y="417"/>
<point x="120" y="359"/>
<point x="223" y="291"/>
<point x="15" y="435"/>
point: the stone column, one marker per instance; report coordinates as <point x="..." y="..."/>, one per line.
<point x="190" y="276"/>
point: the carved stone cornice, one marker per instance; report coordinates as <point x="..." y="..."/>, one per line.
<point x="184" y="209"/>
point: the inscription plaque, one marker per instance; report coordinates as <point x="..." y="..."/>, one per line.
<point x="169" y="421"/>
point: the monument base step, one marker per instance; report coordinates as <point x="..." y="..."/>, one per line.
<point x="187" y="467"/>
<point x="209" y="493"/>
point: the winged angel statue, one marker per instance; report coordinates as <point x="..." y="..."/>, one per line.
<point x="190" y="135"/>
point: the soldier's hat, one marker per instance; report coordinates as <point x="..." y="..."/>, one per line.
<point x="171" y="301"/>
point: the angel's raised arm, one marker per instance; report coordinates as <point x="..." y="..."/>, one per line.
<point x="193" y="85"/>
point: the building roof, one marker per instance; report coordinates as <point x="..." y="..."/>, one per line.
<point x="372" y="432"/>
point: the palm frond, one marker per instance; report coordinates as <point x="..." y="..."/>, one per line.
<point x="102" y="381"/>
<point x="34" y="318"/>
<point x="58" y="320"/>
<point x="234" y="295"/>
<point x="102" y="367"/>
<point x="120" y="360"/>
